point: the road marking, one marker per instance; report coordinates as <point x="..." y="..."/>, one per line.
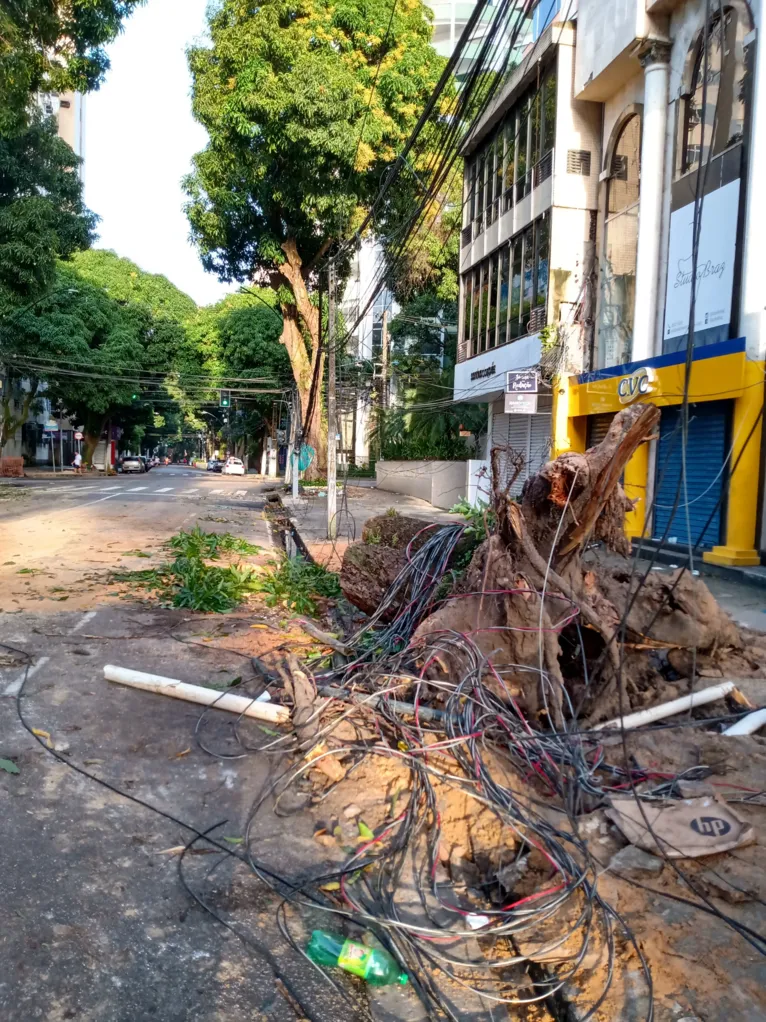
<point x="107" y="489"/>
<point x="84" y="620"/>
<point x="240" y="493"/>
<point x="165" y="489"/>
<point x="135" y="489"/>
<point x="188" y="493"/>
<point x="216" y="491"/>
<point x="15" y="686"/>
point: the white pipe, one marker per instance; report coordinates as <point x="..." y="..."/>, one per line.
<point x="197" y="694"/>
<point x="747" y="725"/>
<point x="705" y="695"/>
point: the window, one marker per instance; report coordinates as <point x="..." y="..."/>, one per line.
<point x="522" y="150"/>
<point x="506" y="296"/>
<point x="489" y="188"/>
<point x="711" y="128"/>
<point x="618" y="265"/>
<point x="510" y="159"/>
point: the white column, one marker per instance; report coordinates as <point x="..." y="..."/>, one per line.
<point x="752" y="303"/>
<point x="654" y="60"/>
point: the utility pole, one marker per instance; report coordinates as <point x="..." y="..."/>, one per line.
<point x="383" y="385"/>
<point x="332" y="426"/>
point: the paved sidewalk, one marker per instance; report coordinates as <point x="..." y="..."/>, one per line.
<point x="309" y="513"/>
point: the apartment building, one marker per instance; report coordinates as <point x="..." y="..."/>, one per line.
<point x="659" y="103"/>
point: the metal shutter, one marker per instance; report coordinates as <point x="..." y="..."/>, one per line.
<point x="598" y="427"/>
<point x="705" y="473"/>
<point x="528" y="435"/>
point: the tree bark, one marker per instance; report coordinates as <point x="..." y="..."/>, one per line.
<point x="9" y="424"/>
<point x="301" y="324"/>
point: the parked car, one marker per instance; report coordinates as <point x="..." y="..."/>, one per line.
<point x="234" y="467"/>
<point x="133" y="463"/>
<point x="147" y="462"/>
<point x="215" y="465"/>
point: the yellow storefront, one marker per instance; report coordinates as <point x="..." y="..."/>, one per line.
<point x="722" y="376"/>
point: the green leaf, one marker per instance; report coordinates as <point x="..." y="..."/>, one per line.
<point x="234" y="840"/>
<point x="9" y="766"/>
<point x="365" y="832"/>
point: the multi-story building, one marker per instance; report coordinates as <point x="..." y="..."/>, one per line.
<point x="580" y="226"/>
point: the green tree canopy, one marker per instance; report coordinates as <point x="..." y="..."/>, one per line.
<point x="306" y="105"/>
<point x="42" y="215"/>
<point x="53" y="46"/>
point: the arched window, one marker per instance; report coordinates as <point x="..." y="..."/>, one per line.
<point x="618" y="263"/>
<point x="707" y="132"/>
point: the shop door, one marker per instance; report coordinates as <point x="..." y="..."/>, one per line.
<point x="525" y="436"/>
<point x="598" y="427"/>
<point x="706" y="475"/>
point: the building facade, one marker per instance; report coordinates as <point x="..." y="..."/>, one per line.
<point x="659" y="110"/>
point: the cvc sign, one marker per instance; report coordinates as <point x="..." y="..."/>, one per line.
<point x="639" y="384"/>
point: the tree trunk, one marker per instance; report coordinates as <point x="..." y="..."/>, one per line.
<point x="9" y="423"/>
<point x="300" y="336"/>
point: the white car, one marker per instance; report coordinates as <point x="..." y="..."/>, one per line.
<point x="234" y="467"/>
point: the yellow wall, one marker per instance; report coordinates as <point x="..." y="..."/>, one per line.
<point x="727" y="377"/>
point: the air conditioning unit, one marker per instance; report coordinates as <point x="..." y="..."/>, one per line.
<point x="536" y="319"/>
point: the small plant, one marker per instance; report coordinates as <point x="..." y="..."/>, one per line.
<point x="296" y="584"/>
<point x="211" y="545"/>
<point x="391" y="512"/>
<point x="479" y="518"/>
<point x="374" y="537"/>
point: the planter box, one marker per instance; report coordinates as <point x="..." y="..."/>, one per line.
<point x="441" y="483"/>
<point x="12" y="467"/>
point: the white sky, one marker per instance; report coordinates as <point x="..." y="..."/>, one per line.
<point x="139" y="140"/>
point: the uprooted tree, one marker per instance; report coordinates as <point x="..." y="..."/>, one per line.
<point x="554" y="614"/>
<point x="306" y="106"/>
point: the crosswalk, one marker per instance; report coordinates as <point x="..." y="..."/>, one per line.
<point x="175" y="491"/>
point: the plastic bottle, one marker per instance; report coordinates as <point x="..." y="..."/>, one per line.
<point x="374" y="965"/>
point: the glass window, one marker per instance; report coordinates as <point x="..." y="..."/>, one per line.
<point x="481" y="331"/>
<point x="499" y="170"/>
<point x="475" y="311"/>
<point x="489" y="187"/>
<point x="480" y="186"/>
<point x="535" y="118"/>
<point x="617" y="277"/>
<point x="510" y="158"/>
<point x="542" y="259"/>
<point x="515" y="324"/>
<point x="467" y="295"/>
<point x="720" y="123"/>
<point x="487" y="303"/>
<point x="528" y="290"/>
<point x="502" y="296"/>
<point x="522" y="130"/>
<point x="492" y="313"/>
<point x="549" y="113"/>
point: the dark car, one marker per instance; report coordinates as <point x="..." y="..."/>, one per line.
<point x="214" y="465"/>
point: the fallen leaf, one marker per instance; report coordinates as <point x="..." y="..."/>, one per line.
<point x="9" y="766"/>
<point x="234" y="840"/>
<point x="334" y="885"/>
<point x="184" y="752"/>
<point x="43" y="734"/>
<point x="364" y="831"/>
<point x="260" y="626"/>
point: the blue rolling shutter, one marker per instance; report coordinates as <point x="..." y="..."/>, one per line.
<point x="705" y="473"/>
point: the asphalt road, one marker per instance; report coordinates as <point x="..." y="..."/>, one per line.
<point x="57" y="535"/>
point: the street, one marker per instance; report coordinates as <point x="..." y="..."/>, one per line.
<point x="54" y="533"/>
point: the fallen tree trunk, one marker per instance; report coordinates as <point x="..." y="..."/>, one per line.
<point x="534" y="593"/>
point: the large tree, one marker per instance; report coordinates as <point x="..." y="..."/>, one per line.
<point x="103" y="344"/>
<point x="307" y="105"/>
<point x="53" y="46"/>
<point x="42" y="219"/>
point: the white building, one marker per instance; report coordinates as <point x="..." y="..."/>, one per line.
<point x="586" y="229"/>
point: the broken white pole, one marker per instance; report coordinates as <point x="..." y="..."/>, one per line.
<point x="749" y="724"/>
<point x="197" y="694"/>
<point x="705" y="695"/>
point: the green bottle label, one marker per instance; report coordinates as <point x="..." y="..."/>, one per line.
<point x="355" y="958"/>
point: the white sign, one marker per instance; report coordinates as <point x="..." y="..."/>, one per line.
<point x="521" y="404"/>
<point x="521" y="381"/>
<point x="78" y="436"/>
<point x="715" y="263"/>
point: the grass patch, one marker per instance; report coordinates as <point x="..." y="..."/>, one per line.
<point x="297" y="584"/>
<point x="188" y="582"/>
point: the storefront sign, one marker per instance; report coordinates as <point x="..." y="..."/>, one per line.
<point x="483" y="374"/>
<point x="521" y="381"/>
<point x="521" y="404"/>
<point x="715" y="265"/>
<point x="636" y="386"/>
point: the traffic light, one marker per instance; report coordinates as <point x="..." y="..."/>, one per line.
<point x="225" y="399"/>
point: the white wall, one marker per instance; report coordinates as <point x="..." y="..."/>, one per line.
<point x="441" y="483"/>
<point x="606" y="32"/>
